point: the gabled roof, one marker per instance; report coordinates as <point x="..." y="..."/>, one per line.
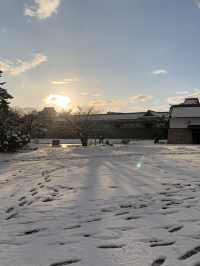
<point x="189" y="102"/>
<point x="190" y="109"/>
<point x="116" y="116"/>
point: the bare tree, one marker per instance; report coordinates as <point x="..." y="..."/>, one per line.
<point x="82" y="124"/>
<point x="29" y="121"/>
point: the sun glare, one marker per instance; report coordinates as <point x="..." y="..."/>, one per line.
<point x="58" y="100"/>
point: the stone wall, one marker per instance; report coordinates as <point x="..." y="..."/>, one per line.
<point x="180" y="136"/>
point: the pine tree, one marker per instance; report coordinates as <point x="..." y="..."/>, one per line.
<point x="4" y="97"/>
<point x="11" y="138"/>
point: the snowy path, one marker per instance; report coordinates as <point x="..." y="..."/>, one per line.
<point x="104" y="206"/>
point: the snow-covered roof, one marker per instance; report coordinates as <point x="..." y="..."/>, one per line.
<point x="129" y="116"/>
<point x="190" y="108"/>
<point x="191" y="101"/>
<point x="112" y="116"/>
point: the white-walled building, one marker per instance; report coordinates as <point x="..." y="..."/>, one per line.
<point x="184" y="122"/>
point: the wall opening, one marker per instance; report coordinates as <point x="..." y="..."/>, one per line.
<point x="195" y="129"/>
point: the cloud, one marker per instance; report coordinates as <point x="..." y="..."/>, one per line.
<point x="67" y="81"/>
<point x="115" y="105"/>
<point x="182" y="92"/>
<point x="181" y="98"/>
<point x="84" y="93"/>
<point x="140" y="98"/>
<point x="176" y="99"/>
<point x="96" y="95"/>
<point x="196" y="94"/>
<point x="21" y="66"/>
<point x="108" y="105"/>
<point x="42" y="9"/>
<point x="5" y="65"/>
<point x="160" y="72"/>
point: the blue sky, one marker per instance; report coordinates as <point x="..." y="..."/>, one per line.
<point x="119" y="55"/>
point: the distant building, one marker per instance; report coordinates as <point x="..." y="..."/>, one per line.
<point x="48" y="112"/>
<point x="184" y="122"/>
<point x="139" y="125"/>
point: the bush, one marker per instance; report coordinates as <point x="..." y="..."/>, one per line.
<point x="13" y="141"/>
<point x="125" y="141"/>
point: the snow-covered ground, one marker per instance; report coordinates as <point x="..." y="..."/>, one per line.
<point x="131" y="205"/>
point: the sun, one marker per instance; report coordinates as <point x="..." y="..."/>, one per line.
<point x="58" y="100"/>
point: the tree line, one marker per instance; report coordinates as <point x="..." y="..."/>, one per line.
<point x="18" y="127"/>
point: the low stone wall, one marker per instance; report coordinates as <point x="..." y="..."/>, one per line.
<point x="180" y="136"/>
<point x="135" y="133"/>
<point x="115" y="133"/>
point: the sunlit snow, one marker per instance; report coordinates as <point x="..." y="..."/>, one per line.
<point x="131" y="205"/>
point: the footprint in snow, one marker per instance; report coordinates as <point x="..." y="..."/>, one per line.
<point x="162" y="244"/>
<point x="63" y="243"/>
<point x="111" y="246"/>
<point x="32" y="231"/>
<point x="121" y="213"/>
<point x="34" y="193"/>
<point x="113" y="187"/>
<point x="126" y="205"/>
<point x="30" y="202"/>
<point x="107" y="210"/>
<point x="75" y="226"/>
<point x="132" y="217"/>
<point x="48" y="199"/>
<point x="152" y="240"/>
<point x="175" y="228"/>
<point x="190" y="253"/>
<point x="22" y="198"/>
<point x="22" y="203"/>
<point x="53" y="194"/>
<point x="158" y="261"/>
<point x="66" y="262"/>
<point x="92" y="220"/>
<point x="10" y="209"/>
<point x="86" y="235"/>
<point x="12" y="216"/>
<point x="55" y="190"/>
